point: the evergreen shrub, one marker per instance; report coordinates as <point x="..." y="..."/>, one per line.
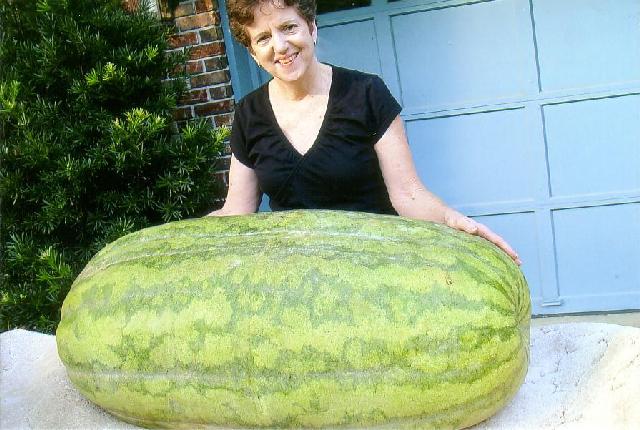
<point x="89" y="151"/>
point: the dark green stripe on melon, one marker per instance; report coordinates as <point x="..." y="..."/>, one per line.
<point x="298" y="319"/>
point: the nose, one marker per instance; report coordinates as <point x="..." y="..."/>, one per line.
<point x="280" y="42"/>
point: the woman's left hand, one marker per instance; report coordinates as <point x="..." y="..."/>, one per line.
<point x="455" y="219"/>
<point x="410" y="197"/>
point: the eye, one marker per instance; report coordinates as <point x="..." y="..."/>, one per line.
<point x="262" y="40"/>
<point x="289" y="27"/>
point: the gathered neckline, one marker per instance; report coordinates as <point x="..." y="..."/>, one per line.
<point x="276" y="125"/>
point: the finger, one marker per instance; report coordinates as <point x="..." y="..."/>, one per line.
<point x="488" y="234"/>
<point x="464" y="223"/>
<point x="470" y="226"/>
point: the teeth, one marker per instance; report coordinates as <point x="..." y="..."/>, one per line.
<point x="288" y="60"/>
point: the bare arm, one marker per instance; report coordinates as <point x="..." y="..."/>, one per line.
<point x="412" y="199"/>
<point x="244" y="193"/>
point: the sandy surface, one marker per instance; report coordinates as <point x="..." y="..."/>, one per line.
<point x="35" y="392"/>
<point x="582" y="376"/>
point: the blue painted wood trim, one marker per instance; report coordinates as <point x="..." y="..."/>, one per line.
<point x="547" y="263"/>
<point x="549" y="284"/>
<point x="386" y="50"/>
<point x="245" y="76"/>
<point x="391" y="9"/>
<point x="542" y="99"/>
<point x="606" y="302"/>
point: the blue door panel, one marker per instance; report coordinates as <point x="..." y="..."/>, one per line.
<point x="465" y="54"/>
<point x="594" y="146"/>
<point x="585" y="43"/>
<point x="483" y="158"/>
<point x="598" y="254"/>
<point x="361" y="52"/>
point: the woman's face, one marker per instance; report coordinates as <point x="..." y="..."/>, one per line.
<point x="282" y="41"/>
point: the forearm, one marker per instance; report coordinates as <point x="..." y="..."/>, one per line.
<point x="412" y="199"/>
<point x="418" y="202"/>
<point x="244" y="194"/>
<point x="237" y="208"/>
<point x="223" y="211"/>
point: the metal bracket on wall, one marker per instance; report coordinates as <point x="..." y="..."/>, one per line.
<point x="551" y="303"/>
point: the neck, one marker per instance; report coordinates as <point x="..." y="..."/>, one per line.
<point x="314" y="82"/>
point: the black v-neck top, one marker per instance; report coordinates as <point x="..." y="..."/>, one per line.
<point x="341" y="169"/>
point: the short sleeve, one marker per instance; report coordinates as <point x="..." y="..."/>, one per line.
<point x="384" y="107"/>
<point x="238" y="141"/>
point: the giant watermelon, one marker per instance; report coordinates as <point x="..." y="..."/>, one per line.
<point x="298" y="319"/>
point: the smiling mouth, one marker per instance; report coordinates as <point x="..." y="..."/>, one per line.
<point x="288" y="60"/>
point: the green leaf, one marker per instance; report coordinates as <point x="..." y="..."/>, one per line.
<point x="88" y="145"/>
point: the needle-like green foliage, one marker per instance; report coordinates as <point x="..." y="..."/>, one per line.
<point x="89" y="150"/>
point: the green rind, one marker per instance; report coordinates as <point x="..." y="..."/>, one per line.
<point x="298" y="319"/>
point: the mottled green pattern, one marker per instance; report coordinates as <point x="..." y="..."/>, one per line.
<point x="298" y="319"/>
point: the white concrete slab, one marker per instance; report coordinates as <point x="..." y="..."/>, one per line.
<point x="581" y="376"/>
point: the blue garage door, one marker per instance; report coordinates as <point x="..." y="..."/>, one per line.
<point x="524" y="114"/>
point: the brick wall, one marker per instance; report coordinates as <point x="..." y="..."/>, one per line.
<point x="210" y="94"/>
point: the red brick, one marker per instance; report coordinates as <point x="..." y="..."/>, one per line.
<point x="206" y="50"/>
<point x="194" y="67"/>
<point x="184" y="9"/>
<point x="177" y="71"/>
<point x="197" y="21"/>
<point x="211" y="34"/>
<point x="182" y="113"/>
<point x="207" y="79"/>
<point x="216" y="63"/>
<point x="223" y="92"/>
<point x="181" y="40"/>
<point x="224" y="119"/>
<point x="167" y="14"/>
<point x="193" y="97"/>
<point x="212" y="108"/>
<point x="131" y="5"/>
<point x="206" y="5"/>
<point x="189" y="69"/>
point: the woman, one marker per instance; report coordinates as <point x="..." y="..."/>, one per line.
<point x="319" y="136"/>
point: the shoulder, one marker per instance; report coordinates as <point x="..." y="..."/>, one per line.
<point x="253" y="101"/>
<point x="356" y="85"/>
<point x="350" y="76"/>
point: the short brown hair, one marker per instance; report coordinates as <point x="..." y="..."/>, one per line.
<point x="241" y="14"/>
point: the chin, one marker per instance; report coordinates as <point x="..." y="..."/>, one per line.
<point x="290" y="77"/>
<point x="293" y="74"/>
